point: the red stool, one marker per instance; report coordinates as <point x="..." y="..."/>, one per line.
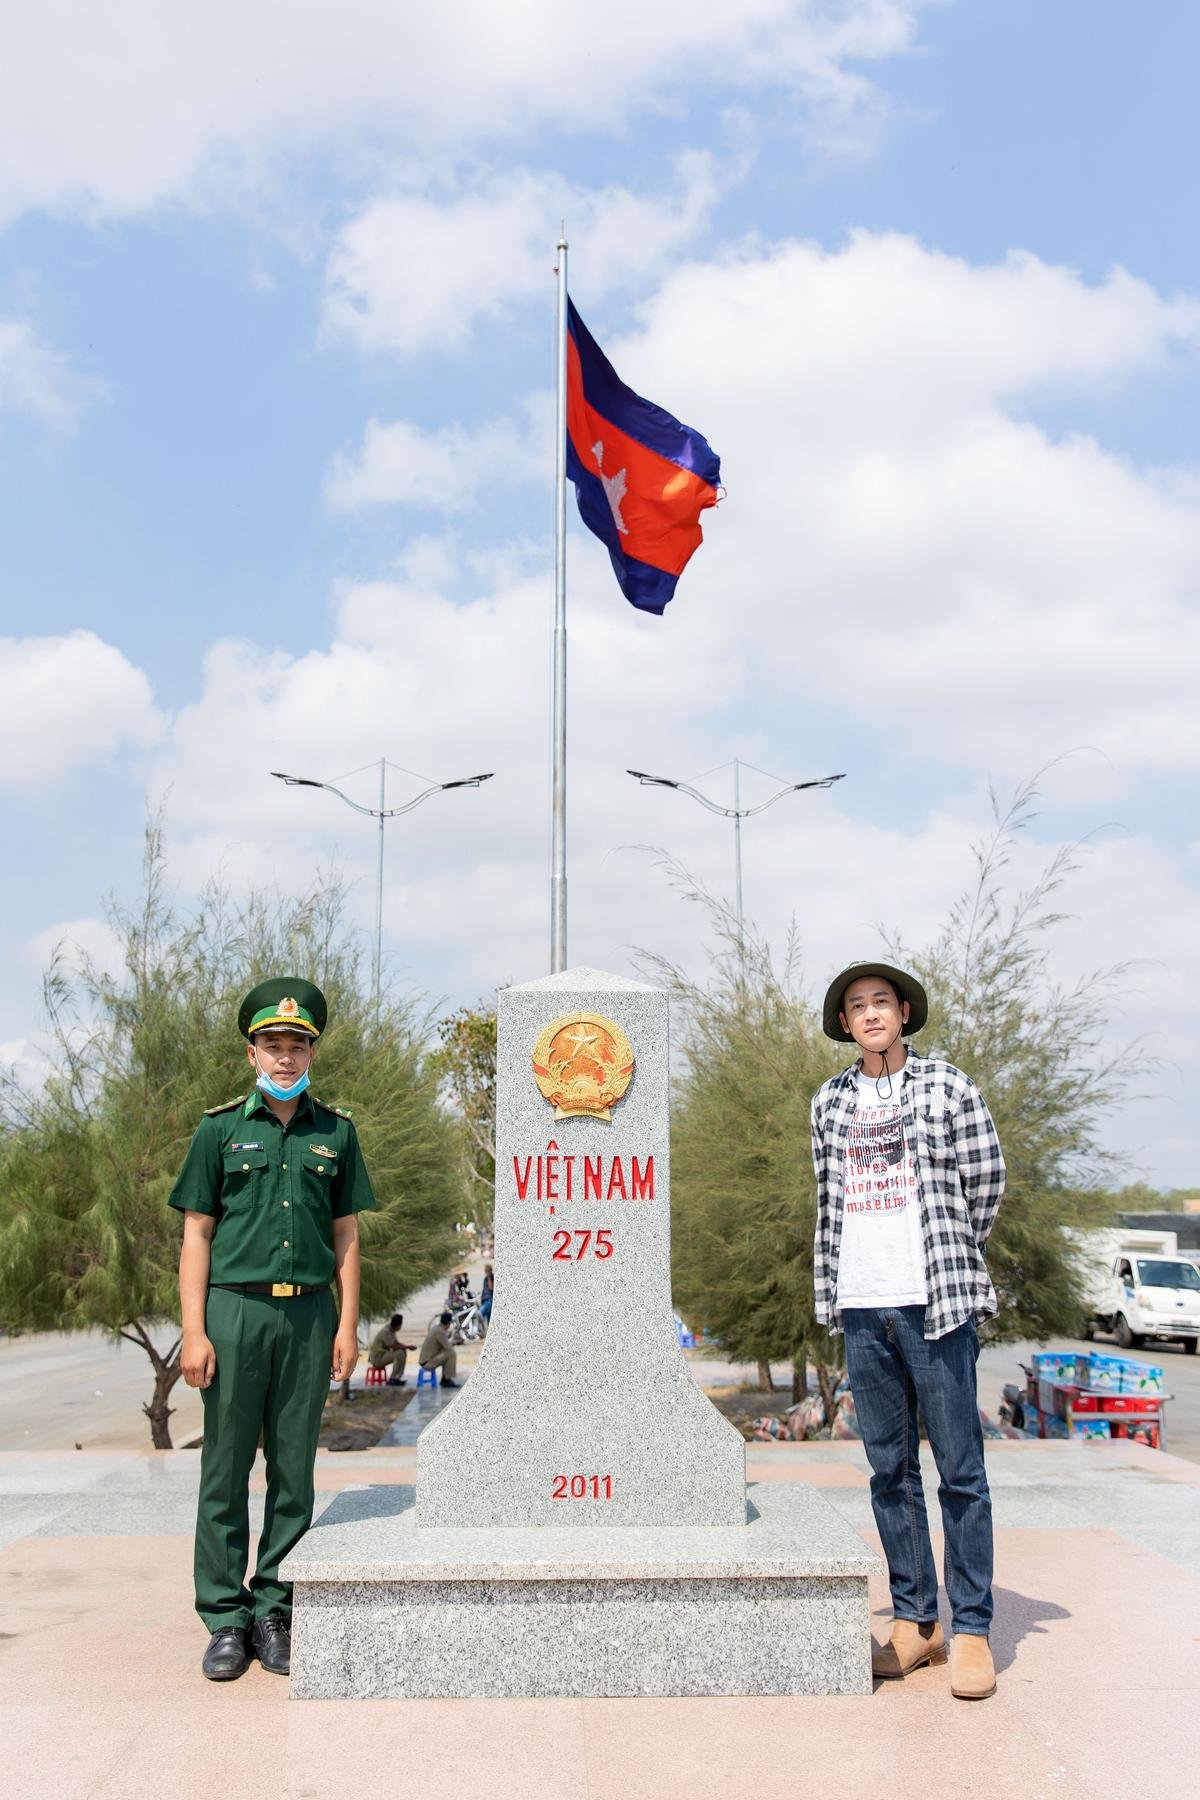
<point x="376" y="1377"/>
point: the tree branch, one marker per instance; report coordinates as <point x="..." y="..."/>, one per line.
<point x="147" y="1346"/>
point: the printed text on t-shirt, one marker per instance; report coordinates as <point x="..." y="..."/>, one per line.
<point x="879" y="1177"/>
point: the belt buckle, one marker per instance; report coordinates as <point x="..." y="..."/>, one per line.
<point x="283" y="1290"/>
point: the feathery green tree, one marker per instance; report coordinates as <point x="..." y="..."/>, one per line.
<point x="743" y="1190"/>
<point x="1041" y="1054"/>
<point x="466" y="1061"/>
<point x="753" y="1054"/>
<point x="88" y="1158"/>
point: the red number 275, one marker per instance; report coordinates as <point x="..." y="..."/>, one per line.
<point x="600" y="1243"/>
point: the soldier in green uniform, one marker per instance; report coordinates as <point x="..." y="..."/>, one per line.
<point x="270" y="1193"/>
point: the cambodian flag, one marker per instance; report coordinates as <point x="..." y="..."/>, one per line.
<point x="642" y="479"/>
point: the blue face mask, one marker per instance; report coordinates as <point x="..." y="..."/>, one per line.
<point x="266" y="1085"/>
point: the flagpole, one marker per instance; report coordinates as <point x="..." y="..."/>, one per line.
<point x="558" y="703"/>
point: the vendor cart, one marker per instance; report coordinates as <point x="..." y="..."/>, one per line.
<point x="1093" y="1396"/>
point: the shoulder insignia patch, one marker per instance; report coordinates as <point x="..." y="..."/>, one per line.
<point x="341" y="1111"/>
<point x="225" y="1106"/>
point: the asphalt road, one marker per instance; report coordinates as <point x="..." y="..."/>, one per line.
<point x="59" y="1390"/>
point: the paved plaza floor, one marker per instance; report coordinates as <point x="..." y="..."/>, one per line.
<point x="1097" y="1640"/>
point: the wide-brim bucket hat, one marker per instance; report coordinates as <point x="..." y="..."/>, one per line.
<point x="906" y="985"/>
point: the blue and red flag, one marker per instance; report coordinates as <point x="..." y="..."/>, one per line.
<point x="641" y="478"/>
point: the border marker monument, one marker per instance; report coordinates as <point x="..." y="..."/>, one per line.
<point x="581" y="1524"/>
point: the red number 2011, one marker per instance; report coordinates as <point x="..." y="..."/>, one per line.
<point x="581" y="1487"/>
<point x="600" y="1242"/>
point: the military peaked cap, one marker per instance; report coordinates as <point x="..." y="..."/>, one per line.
<point x="284" y="1003"/>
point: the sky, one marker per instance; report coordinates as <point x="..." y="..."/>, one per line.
<point x="276" y="362"/>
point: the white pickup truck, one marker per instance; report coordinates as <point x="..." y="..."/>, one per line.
<point x="1147" y="1291"/>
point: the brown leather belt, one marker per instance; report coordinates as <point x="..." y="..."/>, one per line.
<point x="278" y="1290"/>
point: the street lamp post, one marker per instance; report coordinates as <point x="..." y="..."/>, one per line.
<point x="381" y="812"/>
<point x="737" y="812"/>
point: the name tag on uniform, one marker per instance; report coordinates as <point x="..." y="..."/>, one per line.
<point x="322" y="1150"/>
<point x="255" y="1146"/>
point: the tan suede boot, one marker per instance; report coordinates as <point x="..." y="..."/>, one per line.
<point x="972" y="1673"/>
<point x="908" y="1649"/>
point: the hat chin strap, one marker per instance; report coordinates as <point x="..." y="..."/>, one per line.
<point x="885" y="1073"/>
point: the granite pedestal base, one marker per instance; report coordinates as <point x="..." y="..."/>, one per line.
<point x="386" y="1608"/>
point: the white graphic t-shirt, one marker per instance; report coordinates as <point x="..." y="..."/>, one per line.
<point x="882" y="1256"/>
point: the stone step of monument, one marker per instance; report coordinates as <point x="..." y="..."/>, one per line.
<point x="425" y="1404"/>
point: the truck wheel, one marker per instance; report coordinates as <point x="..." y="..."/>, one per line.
<point x="1189" y="1346"/>
<point x="1089" y="1331"/>
<point x="1122" y="1332"/>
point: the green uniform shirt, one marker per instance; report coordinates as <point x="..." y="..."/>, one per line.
<point x="273" y="1189"/>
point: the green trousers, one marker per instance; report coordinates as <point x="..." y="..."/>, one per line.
<point x="272" y="1378"/>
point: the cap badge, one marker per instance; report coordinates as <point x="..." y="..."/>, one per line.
<point x="287" y="1009"/>
<point x="582" y="1064"/>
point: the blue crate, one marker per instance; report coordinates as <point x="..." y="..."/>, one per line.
<point x="1123" y="1375"/>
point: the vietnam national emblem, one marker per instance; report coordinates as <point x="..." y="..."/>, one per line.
<point x="583" y="1064"/>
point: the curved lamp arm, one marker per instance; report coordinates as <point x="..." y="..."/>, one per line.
<point x="731" y="812"/>
<point x="373" y="812"/>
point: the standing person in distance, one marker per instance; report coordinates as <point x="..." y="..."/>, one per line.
<point x="910" y="1176"/>
<point x="270" y="1193"/>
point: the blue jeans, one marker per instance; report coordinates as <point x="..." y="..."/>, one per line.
<point x="894" y="1371"/>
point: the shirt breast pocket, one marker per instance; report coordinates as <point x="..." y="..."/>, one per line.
<point x="319" y="1174"/>
<point x="244" y="1171"/>
<point x="935" y="1137"/>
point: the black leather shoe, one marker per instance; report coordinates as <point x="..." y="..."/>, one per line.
<point x="228" y="1654"/>
<point x="393" y="1382"/>
<point x="448" y="1383"/>
<point x="271" y="1642"/>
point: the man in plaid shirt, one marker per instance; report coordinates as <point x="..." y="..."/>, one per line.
<point x="909" y="1180"/>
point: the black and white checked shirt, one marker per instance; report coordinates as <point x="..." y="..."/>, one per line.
<point x="960" y="1172"/>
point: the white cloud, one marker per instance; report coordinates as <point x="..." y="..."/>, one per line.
<point x="453" y="690"/>
<point x="889" y="500"/>
<point x="66" y="702"/>
<point x="156" y="103"/>
<point x="905" y="531"/>
<point x="414" y="272"/>
<point x="909" y="579"/>
<point x="401" y="464"/>
<point x="450" y="690"/>
<point x="901" y="558"/>
<point x="891" y="343"/>
<point x="76" y="941"/>
<point x="38" y="380"/>
<point x="25" y="1062"/>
